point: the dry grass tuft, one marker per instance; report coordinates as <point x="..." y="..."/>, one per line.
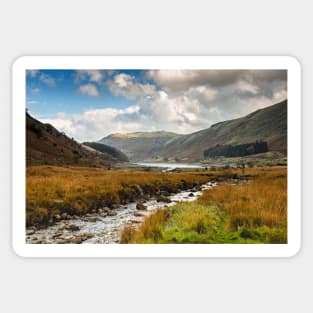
<point x="262" y="201"/>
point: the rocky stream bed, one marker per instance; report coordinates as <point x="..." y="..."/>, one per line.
<point x="105" y="225"/>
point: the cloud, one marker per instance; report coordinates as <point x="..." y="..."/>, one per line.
<point x="89" y="75"/>
<point x="42" y="77"/>
<point x="183" y="101"/>
<point x="94" y="124"/>
<point x="32" y="73"/>
<point x="32" y="102"/>
<point x="180" y="80"/>
<point x="126" y="85"/>
<point x="89" y="90"/>
<point x="35" y="90"/>
<point x="47" y="80"/>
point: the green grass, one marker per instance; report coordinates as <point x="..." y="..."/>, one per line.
<point x="198" y="224"/>
<point x="255" y="212"/>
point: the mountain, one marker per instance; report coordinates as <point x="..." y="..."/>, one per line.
<point x="46" y="145"/>
<point x="264" y="125"/>
<point x="139" y="146"/>
<point x="268" y="124"/>
<point x="108" y="151"/>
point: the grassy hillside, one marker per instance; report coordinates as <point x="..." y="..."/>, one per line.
<point x="110" y="152"/>
<point x="46" y="145"/>
<point x="140" y="145"/>
<point x="268" y="124"/>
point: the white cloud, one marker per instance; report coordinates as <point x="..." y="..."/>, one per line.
<point x="35" y="90"/>
<point x="89" y="90"/>
<point x="180" y="80"/>
<point x="245" y="86"/>
<point x="32" y="73"/>
<point x="47" y="80"/>
<point x="126" y="85"/>
<point x="90" y="75"/>
<point x="32" y="102"/>
<point x="186" y="101"/>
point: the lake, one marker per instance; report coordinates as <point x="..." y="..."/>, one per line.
<point x="169" y="165"/>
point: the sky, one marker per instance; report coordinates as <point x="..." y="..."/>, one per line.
<point x="91" y="104"/>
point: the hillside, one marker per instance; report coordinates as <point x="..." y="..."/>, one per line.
<point x="108" y="151"/>
<point x="46" y="145"/>
<point x="268" y="124"/>
<point x="140" y="145"/>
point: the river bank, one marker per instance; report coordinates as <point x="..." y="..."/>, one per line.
<point x="54" y="193"/>
<point x="105" y="225"/>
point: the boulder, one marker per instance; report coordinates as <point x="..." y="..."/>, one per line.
<point x="191" y="195"/>
<point x="139" y="214"/>
<point x="92" y="219"/>
<point x="111" y="213"/>
<point x="57" y="217"/>
<point x="141" y="207"/>
<point x="30" y="232"/>
<point x="64" y="216"/>
<point x="163" y="199"/>
<point x="72" y="227"/>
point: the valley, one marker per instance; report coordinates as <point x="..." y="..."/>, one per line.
<point x="223" y="184"/>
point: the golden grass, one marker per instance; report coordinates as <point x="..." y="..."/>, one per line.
<point x="77" y="190"/>
<point x="262" y="201"/>
<point x="253" y="212"/>
<point x="151" y="228"/>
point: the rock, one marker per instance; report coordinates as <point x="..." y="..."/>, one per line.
<point x="112" y="213"/>
<point x="38" y="241"/>
<point x="135" y="221"/>
<point x="30" y="232"/>
<point x="72" y="227"/>
<point x="114" y="206"/>
<point x="58" y="234"/>
<point x="103" y="214"/>
<point x="139" y="214"/>
<point x="60" y="241"/>
<point x="163" y="199"/>
<point x="77" y="240"/>
<point x="57" y="217"/>
<point x="92" y="219"/>
<point x="137" y="189"/>
<point x="141" y="207"/>
<point x="191" y="195"/>
<point x="64" y="216"/>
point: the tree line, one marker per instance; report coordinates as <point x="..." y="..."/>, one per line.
<point x="236" y="150"/>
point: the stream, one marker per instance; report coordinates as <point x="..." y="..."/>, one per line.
<point x="105" y="226"/>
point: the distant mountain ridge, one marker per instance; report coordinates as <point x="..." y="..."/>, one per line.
<point x="140" y="145"/>
<point x="268" y="124"/>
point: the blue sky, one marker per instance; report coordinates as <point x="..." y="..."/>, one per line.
<point x="91" y="104"/>
<point x="53" y="91"/>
